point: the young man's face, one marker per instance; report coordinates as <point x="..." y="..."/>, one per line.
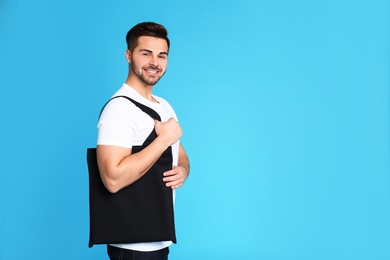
<point x="149" y="60"/>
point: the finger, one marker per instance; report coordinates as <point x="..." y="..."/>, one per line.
<point x="171" y="178"/>
<point x="174" y="184"/>
<point x="176" y="187"/>
<point x="174" y="171"/>
<point x="174" y="178"/>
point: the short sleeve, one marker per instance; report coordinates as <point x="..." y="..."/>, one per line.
<point x="117" y="124"/>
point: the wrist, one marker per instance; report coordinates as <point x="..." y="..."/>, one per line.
<point x="164" y="143"/>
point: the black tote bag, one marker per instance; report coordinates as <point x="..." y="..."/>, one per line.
<point x="140" y="212"/>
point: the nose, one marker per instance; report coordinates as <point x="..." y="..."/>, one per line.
<point x="153" y="60"/>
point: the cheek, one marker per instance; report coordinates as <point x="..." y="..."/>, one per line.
<point x="164" y="65"/>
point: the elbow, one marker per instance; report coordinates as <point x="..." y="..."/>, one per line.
<point x="112" y="188"/>
<point x="111" y="185"/>
<point x="110" y="181"/>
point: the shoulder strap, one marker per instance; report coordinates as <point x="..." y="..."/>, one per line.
<point x="153" y="114"/>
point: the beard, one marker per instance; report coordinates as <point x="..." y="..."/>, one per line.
<point x="148" y="80"/>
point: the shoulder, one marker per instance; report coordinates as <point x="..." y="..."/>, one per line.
<point x="120" y="111"/>
<point x="118" y="105"/>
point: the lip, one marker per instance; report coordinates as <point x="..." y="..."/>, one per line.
<point x="152" y="71"/>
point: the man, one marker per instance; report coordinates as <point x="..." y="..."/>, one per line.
<point x="126" y="159"/>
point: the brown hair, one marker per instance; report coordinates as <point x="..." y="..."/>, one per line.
<point x="145" y="29"/>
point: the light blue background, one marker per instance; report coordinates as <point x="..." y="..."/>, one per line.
<point x="284" y="107"/>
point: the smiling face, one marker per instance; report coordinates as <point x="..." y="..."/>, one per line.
<point x="148" y="61"/>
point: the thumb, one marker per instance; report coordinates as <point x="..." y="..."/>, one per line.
<point x="157" y="124"/>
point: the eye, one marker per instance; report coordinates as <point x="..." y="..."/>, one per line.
<point x="162" y="57"/>
<point x="145" y="54"/>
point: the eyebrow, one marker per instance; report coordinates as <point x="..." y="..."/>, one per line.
<point x="149" y="51"/>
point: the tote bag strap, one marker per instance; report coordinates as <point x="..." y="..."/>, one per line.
<point x="153" y="114"/>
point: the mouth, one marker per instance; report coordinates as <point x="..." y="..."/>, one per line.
<point x="152" y="70"/>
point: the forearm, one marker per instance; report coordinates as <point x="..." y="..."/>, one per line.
<point x="183" y="160"/>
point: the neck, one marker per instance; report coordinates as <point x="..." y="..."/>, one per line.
<point x="142" y="88"/>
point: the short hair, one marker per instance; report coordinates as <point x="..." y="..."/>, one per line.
<point x="145" y="29"/>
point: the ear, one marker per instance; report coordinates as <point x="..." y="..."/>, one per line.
<point x="128" y="56"/>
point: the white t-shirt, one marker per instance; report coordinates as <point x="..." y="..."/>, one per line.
<point x="123" y="124"/>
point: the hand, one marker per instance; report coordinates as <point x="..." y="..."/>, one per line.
<point x="176" y="177"/>
<point x="170" y="131"/>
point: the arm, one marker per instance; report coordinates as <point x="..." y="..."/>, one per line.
<point x="176" y="177"/>
<point x="119" y="167"/>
